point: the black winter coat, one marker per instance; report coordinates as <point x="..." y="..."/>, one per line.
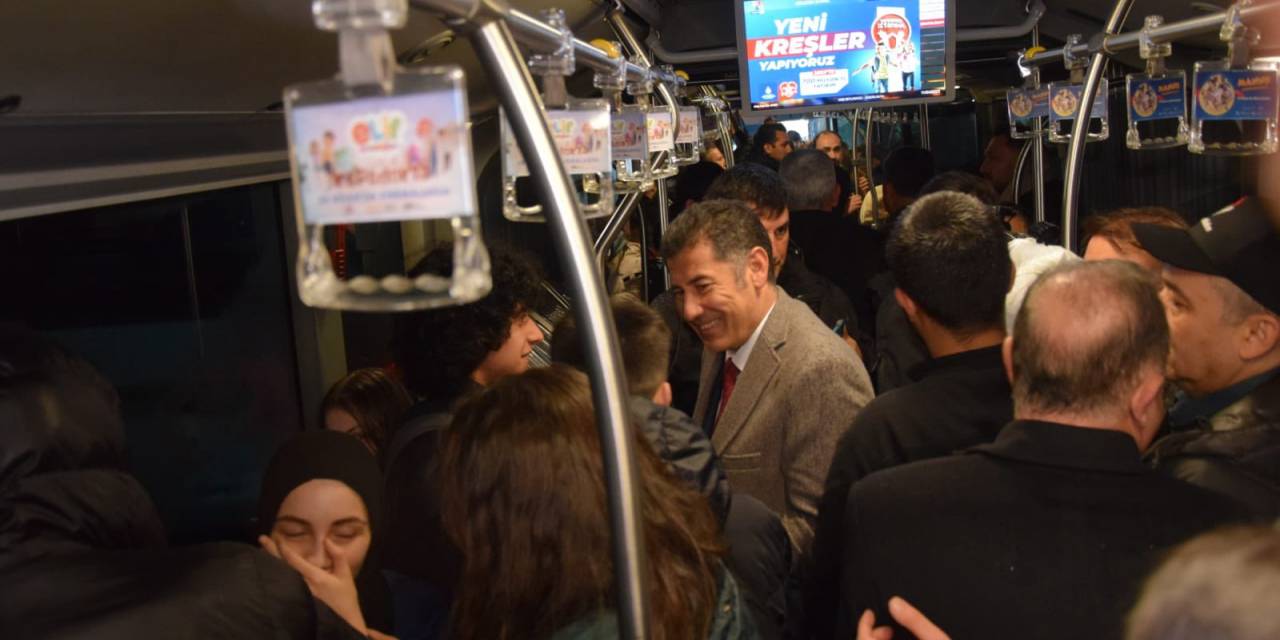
<point x="82" y="548"/>
<point x="1235" y="453"/>
<point x="686" y="449"/>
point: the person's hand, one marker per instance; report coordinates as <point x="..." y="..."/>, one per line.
<point x="907" y="616"/>
<point x="855" y="204"/>
<point x="337" y="589"/>
<point x="848" y="339"/>
<point x="864" y="185"/>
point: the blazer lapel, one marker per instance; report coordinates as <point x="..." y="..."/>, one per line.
<point x="762" y="366"/>
<point x="706" y="382"/>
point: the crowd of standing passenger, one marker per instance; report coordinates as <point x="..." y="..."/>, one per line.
<point x="920" y="418"/>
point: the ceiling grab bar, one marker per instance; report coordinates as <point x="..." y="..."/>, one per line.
<point x="1080" y="127"/>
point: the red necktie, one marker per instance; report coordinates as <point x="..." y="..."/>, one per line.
<point x="730" y="379"/>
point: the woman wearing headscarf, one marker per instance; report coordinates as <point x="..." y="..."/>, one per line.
<point x="321" y="511"/>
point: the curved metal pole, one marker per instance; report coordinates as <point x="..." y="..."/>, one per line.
<point x="616" y="223"/>
<point x="1020" y="167"/>
<point x="1080" y="129"/>
<point x="1037" y="150"/>
<point x="496" y="49"/>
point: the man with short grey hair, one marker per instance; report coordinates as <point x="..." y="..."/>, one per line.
<point x="778" y="387"/>
<point x="1050" y="528"/>
<point x="835" y="246"/>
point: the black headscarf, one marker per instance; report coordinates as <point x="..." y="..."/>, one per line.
<point x="329" y="455"/>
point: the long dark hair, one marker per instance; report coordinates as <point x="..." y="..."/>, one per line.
<point x="376" y="401"/>
<point x="523" y="497"/>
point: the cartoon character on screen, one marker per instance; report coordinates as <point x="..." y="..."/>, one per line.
<point x="880" y="65"/>
<point x="326" y="153"/>
<point x="908" y="63"/>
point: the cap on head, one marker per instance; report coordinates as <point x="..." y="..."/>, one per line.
<point x="1237" y="243"/>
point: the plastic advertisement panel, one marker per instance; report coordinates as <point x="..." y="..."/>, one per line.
<point x="382" y="159"/>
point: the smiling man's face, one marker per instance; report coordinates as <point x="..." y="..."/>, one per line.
<point x="721" y="300"/>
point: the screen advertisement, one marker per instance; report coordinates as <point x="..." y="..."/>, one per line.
<point x="797" y="56"/>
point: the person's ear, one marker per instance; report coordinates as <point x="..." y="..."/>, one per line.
<point x="908" y="305"/>
<point x="662" y="397"/>
<point x="1259" y="336"/>
<point x="1146" y="406"/>
<point x="1006" y="354"/>
<point x="758" y="267"/>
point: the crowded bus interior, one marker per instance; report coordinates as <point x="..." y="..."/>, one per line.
<point x="643" y="319"/>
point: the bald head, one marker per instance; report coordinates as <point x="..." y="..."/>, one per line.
<point x="1087" y="335"/>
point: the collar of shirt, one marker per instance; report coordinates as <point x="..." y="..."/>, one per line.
<point x="743" y="353"/>
<point x="1187" y="411"/>
<point x="1065" y="446"/>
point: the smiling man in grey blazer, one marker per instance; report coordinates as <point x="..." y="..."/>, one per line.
<point x="778" y="387"/>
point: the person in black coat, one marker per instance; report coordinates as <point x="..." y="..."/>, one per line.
<point x="1222" y="298"/>
<point x="949" y="257"/>
<point x="1049" y="530"/>
<point x="82" y="548"/>
<point x="836" y="247"/>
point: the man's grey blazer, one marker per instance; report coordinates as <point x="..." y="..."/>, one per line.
<point x="801" y="389"/>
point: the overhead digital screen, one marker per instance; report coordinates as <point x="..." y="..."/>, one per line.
<point x="818" y="55"/>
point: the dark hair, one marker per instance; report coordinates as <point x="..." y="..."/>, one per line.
<point x="439" y="349"/>
<point x="760" y="187"/>
<point x="729" y="226"/>
<point x="1213" y="586"/>
<point x="766" y="134"/>
<point x="522" y="494"/>
<point x="1084" y="335"/>
<point x="948" y="252"/>
<point x="644" y="339"/>
<point x="908" y="169"/>
<point x="1117" y="226"/>
<point x="810" y="179"/>
<point x="75" y="420"/>
<point x="962" y="182"/>
<point x="376" y="400"/>
<point x="692" y="183"/>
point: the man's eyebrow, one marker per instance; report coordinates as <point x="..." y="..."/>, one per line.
<point x="1173" y="287"/>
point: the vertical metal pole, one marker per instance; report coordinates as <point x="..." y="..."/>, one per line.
<point x="925" y="142"/>
<point x="496" y="49"/>
<point x="663" y="213"/>
<point x="644" y="260"/>
<point x="1080" y="130"/>
<point x="1037" y="141"/>
<point x="871" y="180"/>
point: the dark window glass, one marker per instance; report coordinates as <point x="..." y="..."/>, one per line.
<point x="184" y="305"/>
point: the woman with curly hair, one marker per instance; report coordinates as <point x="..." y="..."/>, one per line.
<point x="522" y="495"/>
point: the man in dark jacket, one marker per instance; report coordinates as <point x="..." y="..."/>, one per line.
<point x="950" y="260"/>
<point x="769" y="146"/>
<point x="82" y="549"/>
<point x="836" y="247"/>
<point x="445" y="354"/>
<point x="1222" y="297"/>
<point x="1049" y="530"/>
<point x="759" y="550"/>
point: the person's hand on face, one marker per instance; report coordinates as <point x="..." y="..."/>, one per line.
<point x="336" y="587"/>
